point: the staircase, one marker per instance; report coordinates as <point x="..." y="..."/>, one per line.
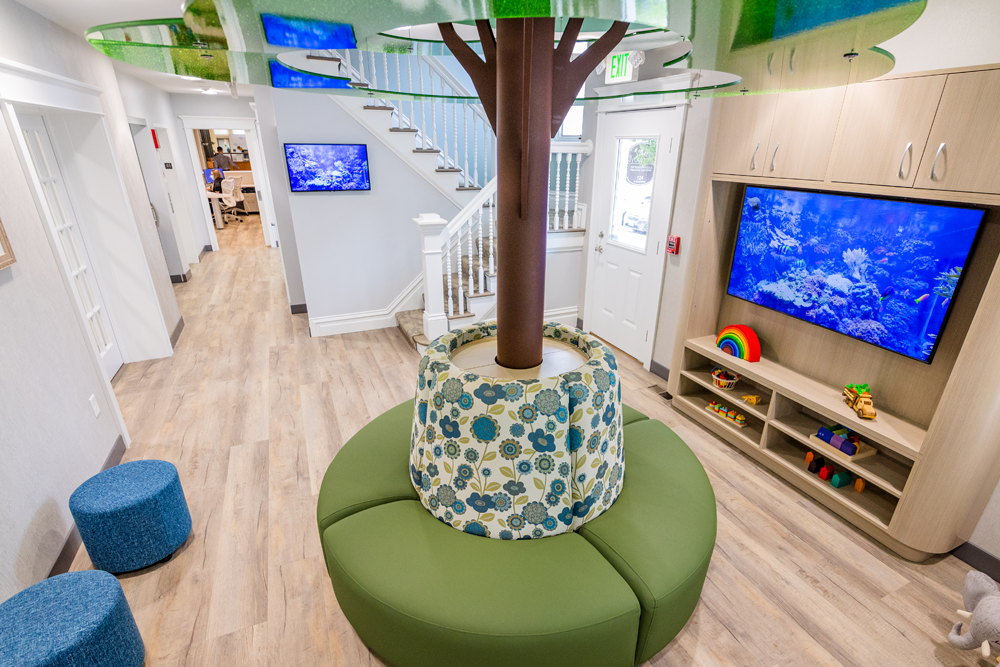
<point x="450" y="143"/>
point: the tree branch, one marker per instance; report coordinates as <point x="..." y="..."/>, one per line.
<point x="570" y="75"/>
<point x="483" y="74"/>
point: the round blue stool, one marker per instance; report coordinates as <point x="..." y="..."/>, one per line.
<point x="77" y="618"/>
<point x="132" y="515"/>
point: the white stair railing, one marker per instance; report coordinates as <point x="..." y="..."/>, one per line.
<point x="564" y="183"/>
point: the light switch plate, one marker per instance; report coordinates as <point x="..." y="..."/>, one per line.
<point x="95" y="406"/>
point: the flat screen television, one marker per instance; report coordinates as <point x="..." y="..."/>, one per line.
<point x="883" y="271"/>
<point x="327" y="167"/>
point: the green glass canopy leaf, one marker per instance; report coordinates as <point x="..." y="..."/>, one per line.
<point x="704" y="47"/>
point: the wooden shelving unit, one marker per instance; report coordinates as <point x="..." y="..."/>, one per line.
<point x="792" y="408"/>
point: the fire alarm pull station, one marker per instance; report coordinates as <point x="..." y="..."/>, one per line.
<point x="673" y="245"/>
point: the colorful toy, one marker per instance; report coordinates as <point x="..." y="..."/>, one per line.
<point x="858" y="397"/>
<point x="825" y="473"/>
<point x="839" y="447"/>
<point x="740" y="420"/>
<point x="840" y="479"/>
<point x="739" y="341"/>
<point x="724" y="379"/>
<point x="732" y="416"/>
<point x="859" y="485"/>
<point x="817" y="464"/>
<point x="810" y="455"/>
<point x="752" y="399"/>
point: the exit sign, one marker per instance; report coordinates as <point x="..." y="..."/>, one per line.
<point x="619" y="68"/>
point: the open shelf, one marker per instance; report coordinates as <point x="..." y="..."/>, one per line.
<point x="703" y="376"/>
<point x="699" y="398"/>
<point x="879" y="469"/>
<point x="887" y="430"/>
<point x="874" y="503"/>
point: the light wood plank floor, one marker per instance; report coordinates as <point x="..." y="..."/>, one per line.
<point x="252" y="410"/>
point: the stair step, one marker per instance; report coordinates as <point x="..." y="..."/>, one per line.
<point x="478" y="294"/>
<point x="427" y="150"/>
<point x="462" y="188"/>
<point x="377" y="107"/>
<point x="411" y="323"/>
<point x="404" y="129"/>
<point x="357" y="84"/>
<point x="328" y="59"/>
<point x="448" y="170"/>
<point x="460" y="316"/>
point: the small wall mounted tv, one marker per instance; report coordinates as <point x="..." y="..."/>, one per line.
<point x="327" y="167"/>
<point x="883" y="271"/>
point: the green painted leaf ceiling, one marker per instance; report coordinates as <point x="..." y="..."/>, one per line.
<point x="699" y="47"/>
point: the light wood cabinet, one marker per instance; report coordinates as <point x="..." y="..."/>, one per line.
<point x="963" y="150"/>
<point x="885" y="129"/>
<point x="743" y="130"/>
<point x="802" y="134"/>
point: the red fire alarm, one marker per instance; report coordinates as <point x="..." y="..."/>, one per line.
<point x="673" y="245"/>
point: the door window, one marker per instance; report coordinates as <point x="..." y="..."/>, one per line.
<point x="633" y="194"/>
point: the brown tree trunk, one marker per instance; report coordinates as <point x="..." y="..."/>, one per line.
<point x="524" y="119"/>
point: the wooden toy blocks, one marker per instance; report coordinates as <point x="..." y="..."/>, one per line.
<point x="826" y="473"/>
<point x="840" y="479"/>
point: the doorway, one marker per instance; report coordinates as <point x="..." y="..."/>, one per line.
<point x="243" y="168"/>
<point x="67" y="230"/>
<point x="634" y="183"/>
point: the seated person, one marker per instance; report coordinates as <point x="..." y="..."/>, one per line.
<point x="216" y="185"/>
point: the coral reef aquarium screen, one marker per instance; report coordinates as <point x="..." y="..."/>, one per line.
<point x="327" y="167"/>
<point x="883" y="271"/>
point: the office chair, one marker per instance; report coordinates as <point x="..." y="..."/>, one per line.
<point x="227" y="205"/>
<point x="238" y="192"/>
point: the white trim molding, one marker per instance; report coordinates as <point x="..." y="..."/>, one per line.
<point x="331" y="325"/>
<point x="29" y="85"/>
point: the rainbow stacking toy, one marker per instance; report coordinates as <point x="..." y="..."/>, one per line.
<point x="739" y="341"/>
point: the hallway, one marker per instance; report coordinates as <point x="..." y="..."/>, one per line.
<point x="252" y="410"/>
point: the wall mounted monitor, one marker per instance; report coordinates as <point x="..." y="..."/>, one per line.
<point x="883" y="271"/>
<point x="327" y="167"/>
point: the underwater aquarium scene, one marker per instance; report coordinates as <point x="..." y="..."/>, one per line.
<point x="883" y="271"/>
<point x="326" y="167"/>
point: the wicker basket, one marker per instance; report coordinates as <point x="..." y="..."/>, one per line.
<point x="724" y="379"/>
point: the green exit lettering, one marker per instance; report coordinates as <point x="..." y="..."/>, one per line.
<point x="619" y="65"/>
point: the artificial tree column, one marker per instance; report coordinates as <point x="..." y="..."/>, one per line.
<point x="526" y="89"/>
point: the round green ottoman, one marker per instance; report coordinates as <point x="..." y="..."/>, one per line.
<point x="420" y="593"/>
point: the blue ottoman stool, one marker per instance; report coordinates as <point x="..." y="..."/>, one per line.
<point x="75" y="619"/>
<point x="132" y="515"/>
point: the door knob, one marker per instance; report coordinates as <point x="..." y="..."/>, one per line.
<point x="600" y="235"/>
<point x="599" y="248"/>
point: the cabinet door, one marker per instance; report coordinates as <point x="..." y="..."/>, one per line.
<point x="963" y="150"/>
<point x="885" y="130"/>
<point x="741" y="140"/>
<point x="805" y="124"/>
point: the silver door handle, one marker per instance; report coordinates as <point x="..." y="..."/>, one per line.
<point x="599" y="248"/>
<point x="753" y="158"/>
<point x="908" y="148"/>
<point x="934" y="166"/>
<point x="774" y="154"/>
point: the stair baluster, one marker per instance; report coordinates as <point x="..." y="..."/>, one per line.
<point x="482" y="283"/>
<point x="444" y="125"/>
<point x="447" y="248"/>
<point x="423" y="107"/>
<point x="471" y="278"/>
<point x="385" y="75"/>
<point x="576" y="193"/>
<point x="475" y="150"/>
<point x="399" y="102"/>
<point x="492" y="208"/>
<point x="433" y="102"/>
<point x="558" y="161"/>
<point x="409" y="87"/>
<point x="361" y="67"/>
<point x="465" y="171"/>
<point x="454" y="122"/>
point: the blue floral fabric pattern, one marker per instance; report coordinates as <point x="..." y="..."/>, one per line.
<point x="517" y="459"/>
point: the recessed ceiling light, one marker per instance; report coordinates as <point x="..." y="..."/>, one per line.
<point x="191" y="78"/>
<point x="209" y="91"/>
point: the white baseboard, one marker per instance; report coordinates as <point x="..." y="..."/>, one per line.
<point x="409" y="299"/>
<point x="565" y="316"/>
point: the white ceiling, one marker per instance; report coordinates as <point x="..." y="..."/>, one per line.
<point x="79" y="15"/>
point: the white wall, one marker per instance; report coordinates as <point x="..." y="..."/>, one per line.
<point x="50" y="440"/>
<point x="950" y="33"/>
<point x="358" y="251"/>
<point x="156" y="107"/>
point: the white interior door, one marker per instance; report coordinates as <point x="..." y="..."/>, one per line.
<point x="66" y="228"/>
<point x="633" y="201"/>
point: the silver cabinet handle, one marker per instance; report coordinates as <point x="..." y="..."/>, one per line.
<point x="753" y="158"/>
<point x="774" y="154"/>
<point x="908" y="148"/>
<point x="934" y="166"/>
<point x="791" y="62"/>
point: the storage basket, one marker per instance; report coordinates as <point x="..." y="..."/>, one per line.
<point x="724" y="379"/>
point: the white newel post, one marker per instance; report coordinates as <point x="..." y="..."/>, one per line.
<point x="435" y="320"/>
